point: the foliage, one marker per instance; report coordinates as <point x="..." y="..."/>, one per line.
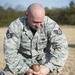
<point x="72" y="4"/>
<point x="63" y="15"/>
<point x="7" y="16"/>
<point x="60" y="15"/>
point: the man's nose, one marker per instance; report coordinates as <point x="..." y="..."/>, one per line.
<point x="38" y="25"/>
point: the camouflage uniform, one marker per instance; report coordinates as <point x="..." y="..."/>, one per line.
<point x="48" y="46"/>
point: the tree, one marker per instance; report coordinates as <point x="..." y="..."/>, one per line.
<point x="72" y="4"/>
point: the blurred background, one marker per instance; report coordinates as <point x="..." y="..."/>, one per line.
<point x="62" y="11"/>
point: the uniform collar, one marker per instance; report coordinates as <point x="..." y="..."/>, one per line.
<point x="28" y="31"/>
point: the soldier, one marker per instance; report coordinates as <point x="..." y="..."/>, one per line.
<point x="34" y="39"/>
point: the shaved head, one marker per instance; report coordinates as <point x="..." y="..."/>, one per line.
<point x="35" y="15"/>
<point x="36" y="8"/>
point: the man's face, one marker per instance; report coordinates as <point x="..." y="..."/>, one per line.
<point x="35" y="21"/>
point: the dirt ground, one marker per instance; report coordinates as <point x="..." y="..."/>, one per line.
<point x="69" y="68"/>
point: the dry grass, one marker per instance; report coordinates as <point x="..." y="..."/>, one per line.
<point x="69" y="68"/>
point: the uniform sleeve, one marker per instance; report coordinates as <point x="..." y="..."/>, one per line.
<point x="11" y="45"/>
<point x="59" y="47"/>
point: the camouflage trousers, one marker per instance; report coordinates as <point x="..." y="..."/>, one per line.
<point x="6" y="71"/>
<point x="9" y="73"/>
<point x="53" y="74"/>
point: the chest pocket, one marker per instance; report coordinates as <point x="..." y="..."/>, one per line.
<point x="25" y="41"/>
<point x="41" y="43"/>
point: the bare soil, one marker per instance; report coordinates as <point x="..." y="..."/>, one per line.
<point x="69" y="68"/>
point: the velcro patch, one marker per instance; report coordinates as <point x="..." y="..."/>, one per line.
<point x="58" y="32"/>
<point x="8" y="34"/>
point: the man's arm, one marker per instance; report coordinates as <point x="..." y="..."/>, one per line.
<point x="11" y="45"/>
<point x="59" y="46"/>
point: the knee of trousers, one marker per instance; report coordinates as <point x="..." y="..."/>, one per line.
<point x="6" y="71"/>
<point x="53" y="74"/>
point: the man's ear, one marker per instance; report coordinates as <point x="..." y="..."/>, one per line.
<point x="26" y="13"/>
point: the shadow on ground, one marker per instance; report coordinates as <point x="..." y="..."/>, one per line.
<point x="72" y="45"/>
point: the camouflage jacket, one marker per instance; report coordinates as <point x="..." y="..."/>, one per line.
<point x="47" y="47"/>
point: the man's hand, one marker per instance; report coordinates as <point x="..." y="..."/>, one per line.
<point x="38" y="70"/>
<point x="31" y="72"/>
<point x="44" y="70"/>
